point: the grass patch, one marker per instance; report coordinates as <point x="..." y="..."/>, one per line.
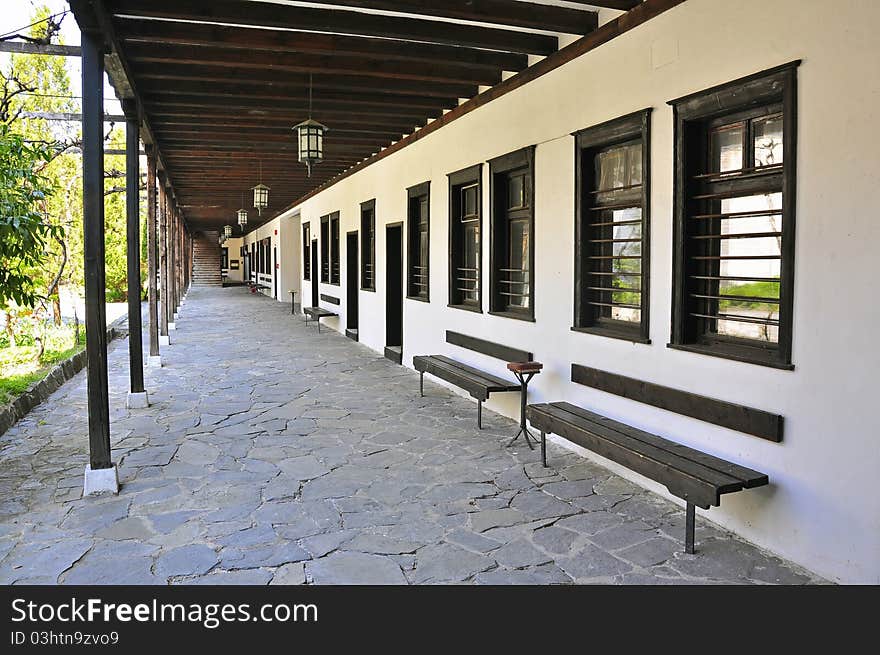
<point x="20" y="367"/>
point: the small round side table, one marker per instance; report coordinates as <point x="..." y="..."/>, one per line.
<point x="524" y="372"/>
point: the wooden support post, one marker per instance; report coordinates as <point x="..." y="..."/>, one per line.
<point x="133" y="250"/>
<point x="172" y="221"/>
<point x="152" y="253"/>
<point x="93" y="248"/>
<point x="163" y="257"/>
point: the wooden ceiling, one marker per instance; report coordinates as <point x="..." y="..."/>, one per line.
<point x="220" y="83"/>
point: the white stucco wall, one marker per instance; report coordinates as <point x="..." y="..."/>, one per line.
<point x="234" y="245"/>
<point x="285" y="238"/>
<point x="821" y="509"/>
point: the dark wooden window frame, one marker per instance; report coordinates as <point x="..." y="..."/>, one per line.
<point x="335" y="257"/>
<point x="307" y="255"/>
<point x="457" y="180"/>
<point x="776" y="86"/>
<point x="632" y="127"/>
<point x="325" y="249"/>
<point x="522" y="158"/>
<point x="412" y="193"/>
<point x="368" y="250"/>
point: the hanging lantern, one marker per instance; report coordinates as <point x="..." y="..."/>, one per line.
<point x="261" y="194"/>
<point x="311" y="143"/>
<point x="227" y="231"/>
<point x="310" y="137"/>
<point x="242" y="217"/>
<point x="221" y="239"/>
<point x="261" y="197"/>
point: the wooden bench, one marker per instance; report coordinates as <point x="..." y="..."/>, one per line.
<point x="257" y="286"/>
<point x="316" y="314"/>
<point x="697" y="477"/>
<point x="479" y="384"/>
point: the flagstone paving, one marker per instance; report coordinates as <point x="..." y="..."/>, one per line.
<point x="276" y="455"/>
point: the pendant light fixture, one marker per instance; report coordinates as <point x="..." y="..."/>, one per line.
<point x="242" y="214"/>
<point x="227" y="231"/>
<point x="261" y="194"/>
<point x="310" y="137"/>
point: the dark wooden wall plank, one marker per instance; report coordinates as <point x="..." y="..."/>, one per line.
<point x="497" y="350"/>
<point x="757" y="422"/>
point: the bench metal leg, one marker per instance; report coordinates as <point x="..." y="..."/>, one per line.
<point x="318" y="321"/>
<point x="544" y="448"/>
<point x="479" y="414"/>
<point x="422" y="384"/>
<point x="689" y="529"/>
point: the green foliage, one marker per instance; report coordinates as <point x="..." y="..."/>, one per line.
<point x="750" y="290"/>
<point x="24" y="230"/>
<point x="19" y="366"/>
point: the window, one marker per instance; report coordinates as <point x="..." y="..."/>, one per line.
<point x="368" y="245"/>
<point x="334" y="248"/>
<point x="512" y="184"/>
<point x="325" y="249"/>
<point x="224" y="259"/>
<point x="417" y="246"/>
<point x="612" y="168"/>
<point x="734" y="219"/>
<point x="465" y="228"/>
<point x="307" y="255"/>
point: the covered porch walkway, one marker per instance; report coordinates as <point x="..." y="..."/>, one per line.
<point x="273" y="454"/>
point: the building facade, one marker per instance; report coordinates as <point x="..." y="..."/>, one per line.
<point x="492" y="220"/>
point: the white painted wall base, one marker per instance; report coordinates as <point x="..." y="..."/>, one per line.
<point x="154" y="361"/>
<point x="100" y="481"/>
<point x="171" y="325"/>
<point x="137" y="400"/>
<point x="164" y="339"/>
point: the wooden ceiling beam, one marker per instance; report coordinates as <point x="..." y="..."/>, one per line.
<point x="623" y="5"/>
<point x="315" y="64"/>
<point x="281" y="126"/>
<point x="169" y="89"/>
<point x="284" y="134"/>
<point x="320" y="84"/>
<point x="336" y="21"/>
<point x="193" y="107"/>
<point x="159" y="32"/>
<point x="238" y="137"/>
<point x="527" y="15"/>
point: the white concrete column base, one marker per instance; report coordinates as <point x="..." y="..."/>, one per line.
<point x="164" y="339"/>
<point x="172" y="326"/>
<point x="100" y="481"/>
<point x="176" y="314"/>
<point x="137" y="400"/>
<point x="154" y="361"/>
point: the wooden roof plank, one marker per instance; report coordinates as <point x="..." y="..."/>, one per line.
<point x="260" y="14"/>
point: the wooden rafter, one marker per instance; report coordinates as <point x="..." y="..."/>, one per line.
<point x="243" y="38"/>
<point x="267" y="14"/>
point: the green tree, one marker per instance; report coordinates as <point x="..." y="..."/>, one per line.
<point x="24" y="229"/>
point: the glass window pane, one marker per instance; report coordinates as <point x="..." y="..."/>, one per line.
<point x="518" y="263"/>
<point x="469" y="202"/>
<point x="619" y="174"/>
<point x="727" y="148"/>
<point x="751" y="313"/>
<point x="768" y="140"/>
<point x="516" y="191"/>
<point x="634" y="163"/>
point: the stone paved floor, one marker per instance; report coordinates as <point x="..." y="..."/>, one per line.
<point x="276" y="455"/>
